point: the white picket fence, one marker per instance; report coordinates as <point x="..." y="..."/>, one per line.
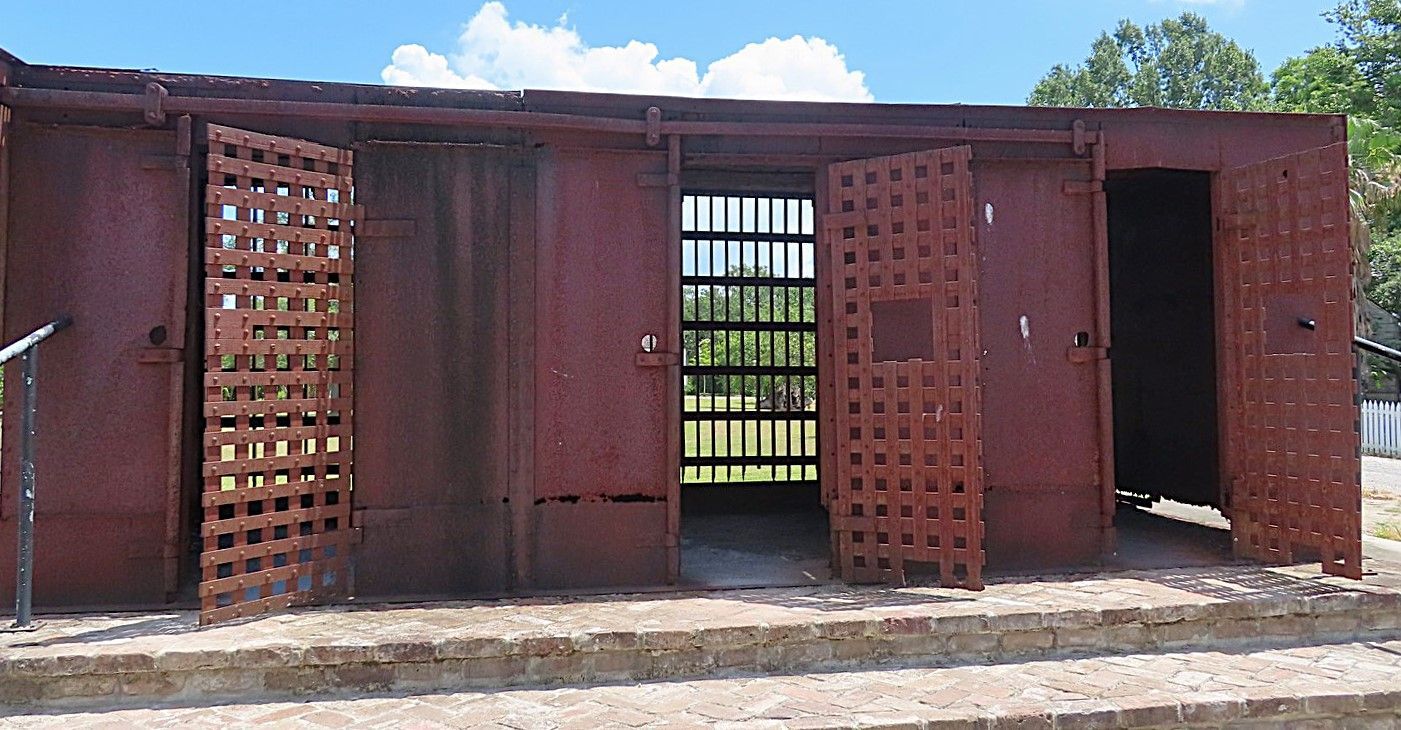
<point x="1381" y="428"/>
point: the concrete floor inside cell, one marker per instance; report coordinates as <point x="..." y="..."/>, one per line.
<point x="790" y="546"/>
<point x="784" y="547"/>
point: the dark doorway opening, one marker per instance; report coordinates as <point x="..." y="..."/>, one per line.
<point x="1163" y="331"/>
<point x="751" y="512"/>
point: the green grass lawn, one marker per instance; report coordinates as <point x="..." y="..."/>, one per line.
<point x="751" y="438"/>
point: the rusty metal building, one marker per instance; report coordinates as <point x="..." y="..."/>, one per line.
<point x="1018" y="314"/>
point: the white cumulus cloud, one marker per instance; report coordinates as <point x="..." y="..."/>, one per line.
<point x="494" y="53"/>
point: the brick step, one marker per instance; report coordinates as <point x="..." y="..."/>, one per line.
<point x="134" y="658"/>
<point x="1344" y="685"/>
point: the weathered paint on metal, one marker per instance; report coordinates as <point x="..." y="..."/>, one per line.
<point x="587" y="461"/>
<point x="98" y="230"/>
<point x="601" y="457"/>
<point x="279" y="390"/>
<point x="1040" y="433"/>
<point x="1293" y="450"/>
<point x="904" y="289"/>
<point x="437" y="334"/>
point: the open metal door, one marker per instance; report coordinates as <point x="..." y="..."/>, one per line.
<point x="903" y="275"/>
<point x="278" y="388"/>
<point x="1289" y="386"/>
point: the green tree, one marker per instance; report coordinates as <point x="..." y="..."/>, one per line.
<point x="720" y="304"/>
<point x="1375" y="185"/>
<point x="1359" y="75"/>
<point x="1384" y="288"/>
<point x="1179" y="63"/>
<point x="1324" y="80"/>
<point x="1370" y="35"/>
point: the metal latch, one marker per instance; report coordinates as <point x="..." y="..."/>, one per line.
<point x="657" y="359"/>
<point x="1081" y="355"/>
<point x="160" y="355"/>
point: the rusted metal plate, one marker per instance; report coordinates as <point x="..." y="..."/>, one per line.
<point x="278" y="397"/>
<point x="905" y="302"/>
<point x="96" y="235"/>
<point x="434" y="322"/>
<point x="602" y="277"/>
<point x="1036" y="285"/>
<point x="1291" y="415"/>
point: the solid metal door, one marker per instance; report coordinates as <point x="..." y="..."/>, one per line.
<point x="903" y="275"/>
<point x="1289" y="386"/>
<point x="278" y="384"/>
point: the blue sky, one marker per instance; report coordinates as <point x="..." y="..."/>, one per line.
<point x="990" y="51"/>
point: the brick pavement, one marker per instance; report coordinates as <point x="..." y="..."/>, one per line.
<point x="1310" y="686"/>
<point x="140" y="657"/>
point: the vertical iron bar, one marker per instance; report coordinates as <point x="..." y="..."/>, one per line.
<point x="772" y="275"/>
<point x="24" y="577"/>
<point x="714" y="349"/>
<point x="729" y="359"/>
<point x="743" y="361"/>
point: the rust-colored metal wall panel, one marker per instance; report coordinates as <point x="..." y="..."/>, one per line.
<point x="279" y="390"/>
<point x="600" y="544"/>
<point x="98" y="230"/>
<point x="905" y="280"/>
<point x="587" y="423"/>
<point x="1036" y="263"/>
<point x="1039" y="527"/>
<point x="602" y="281"/>
<point x="1040" y="441"/>
<point x="433" y="320"/>
<point x="1292" y="450"/>
<point x="6" y="124"/>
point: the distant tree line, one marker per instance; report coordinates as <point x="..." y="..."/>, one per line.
<point x="748" y="303"/>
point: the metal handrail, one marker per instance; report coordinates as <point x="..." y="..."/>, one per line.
<point x="27" y="348"/>
<point x="23" y="344"/>
<point x="1377" y="348"/>
<point x="1361" y="343"/>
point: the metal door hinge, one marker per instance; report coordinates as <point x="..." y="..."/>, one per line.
<point x="154" y="113"/>
<point x="657" y="359"/>
<point x="1082" y="187"/>
<point x="656" y="179"/>
<point x="1081" y="355"/>
<point x="654" y="126"/>
<point x="160" y="355"/>
<point x="1077" y="135"/>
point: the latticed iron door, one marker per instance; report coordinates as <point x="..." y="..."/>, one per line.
<point x="903" y="275"/>
<point x="1290" y="381"/>
<point x="278" y="389"/>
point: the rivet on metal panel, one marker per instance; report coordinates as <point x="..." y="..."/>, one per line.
<point x="155" y="104"/>
<point x="654" y="126"/>
<point x="1077" y="131"/>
